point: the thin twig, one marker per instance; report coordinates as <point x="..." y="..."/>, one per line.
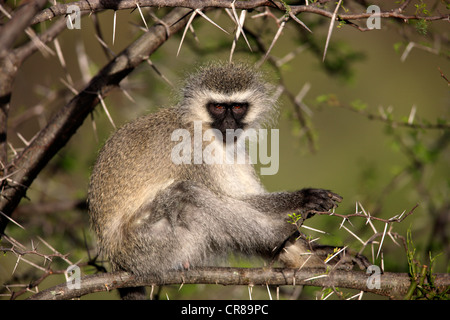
<point x="347" y="216"/>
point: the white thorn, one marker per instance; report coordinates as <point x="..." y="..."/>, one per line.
<point x="142" y="16"/>
<point x="208" y="19"/>
<point x="114" y="27"/>
<point x="106" y="110"/>
<point x="191" y="18"/>
<point x="382" y="239"/>
<point x="330" y="29"/>
<point x="299" y="21"/>
<point x="412" y="114"/>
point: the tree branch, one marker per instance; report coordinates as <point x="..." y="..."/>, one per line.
<point x="19" y="21"/>
<point x="99" y="5"/>
<point x="10" y="62"/>
<point x="391" y="284"/>
<point x="8" y="67"/>
<point x="69" y="118"/>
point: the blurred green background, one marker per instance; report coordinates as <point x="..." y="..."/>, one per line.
<point x="360" y="158"/>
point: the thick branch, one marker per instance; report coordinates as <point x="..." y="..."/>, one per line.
<point x="391" y="284"/>
<point x="69" y="118"/>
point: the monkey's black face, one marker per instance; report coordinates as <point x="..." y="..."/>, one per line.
<point x="228" y="116"/>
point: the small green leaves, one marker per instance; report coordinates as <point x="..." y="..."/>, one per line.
<point x="294" y="217"/>
<point x="422" y="27"/>
<point x="358" y="105"/>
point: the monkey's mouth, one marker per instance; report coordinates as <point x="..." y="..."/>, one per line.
<point x="231" y="137"/>
<point x="230" y="131"/>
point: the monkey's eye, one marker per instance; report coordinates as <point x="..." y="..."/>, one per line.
<point x="239" y="108"/>
<point x="216" y="108"/>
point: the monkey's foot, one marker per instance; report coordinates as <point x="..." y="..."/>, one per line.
<point x="301" y="253"/>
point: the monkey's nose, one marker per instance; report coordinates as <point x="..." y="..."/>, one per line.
<point x="230" y="124"/>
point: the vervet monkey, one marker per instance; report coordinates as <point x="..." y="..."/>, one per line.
<point x="152" y="215"/>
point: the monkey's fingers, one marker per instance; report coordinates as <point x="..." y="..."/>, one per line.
<point x="335" y="197"/>
<point x="318" y="200"/>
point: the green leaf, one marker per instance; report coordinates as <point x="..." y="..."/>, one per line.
<point x="398" y="46"/>
<point x="358" y="105"/>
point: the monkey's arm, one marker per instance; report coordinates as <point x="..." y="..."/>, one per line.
<point x="186" y="223"/>
<point x="273" y="205"/>
<point x="302" y="201"/>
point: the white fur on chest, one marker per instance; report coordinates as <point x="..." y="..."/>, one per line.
<point x="235" y="174"/>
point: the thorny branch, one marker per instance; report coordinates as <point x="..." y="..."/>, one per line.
<point x="64" y="124"/>
<point x="19" y="21"/>
<point x="329" y="278"/>
<point x="391" y="284"/>
<point x="19" y="174"/>
<point x="384" y="116"/>
<point x="397" y="218"/>
<point x="99" y="5"/>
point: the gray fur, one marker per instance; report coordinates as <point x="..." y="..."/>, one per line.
<point x="151" y="215"/>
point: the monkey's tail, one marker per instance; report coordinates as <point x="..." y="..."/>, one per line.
<point x="135" y="293"/>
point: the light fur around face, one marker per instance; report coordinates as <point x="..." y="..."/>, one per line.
<point x="229" y="83"/>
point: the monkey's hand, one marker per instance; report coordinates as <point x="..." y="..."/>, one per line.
<point x="317" y="200"/>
